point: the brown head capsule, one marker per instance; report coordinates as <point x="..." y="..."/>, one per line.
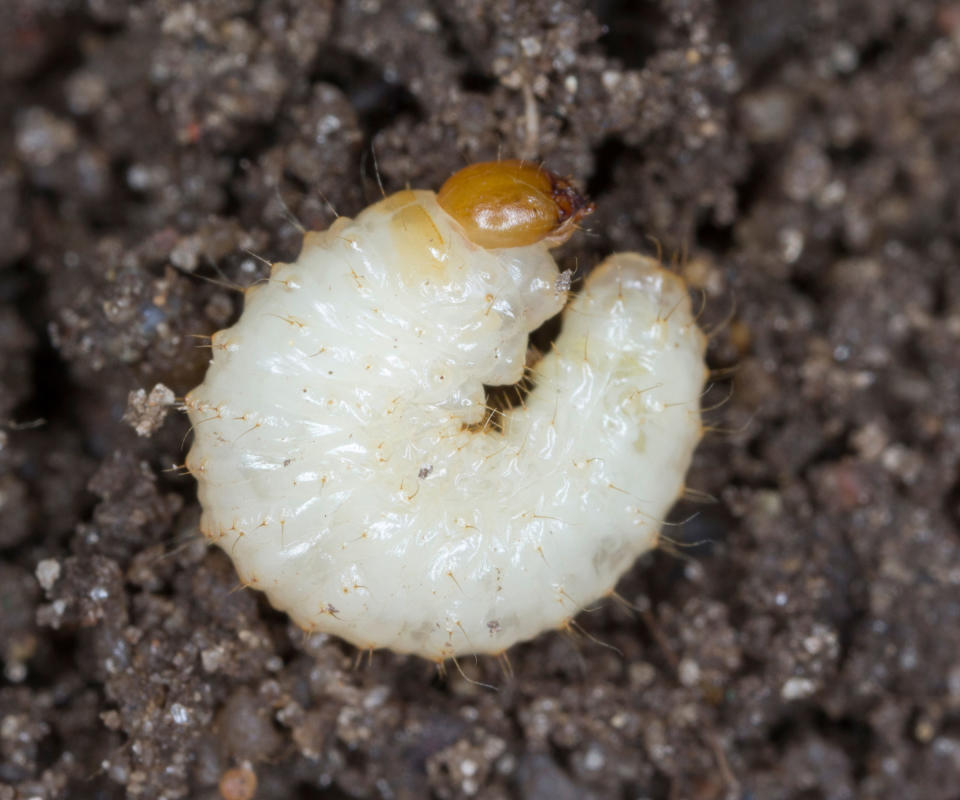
<point x="512" y="204"/>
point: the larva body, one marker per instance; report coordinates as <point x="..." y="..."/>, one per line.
<point x="342" y="456"/>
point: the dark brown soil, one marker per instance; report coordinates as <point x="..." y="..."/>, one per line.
<point x="801" y="637"/>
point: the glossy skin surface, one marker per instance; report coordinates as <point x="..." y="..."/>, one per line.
<point x="341" y="460"/>
<point x="512" y="204"/>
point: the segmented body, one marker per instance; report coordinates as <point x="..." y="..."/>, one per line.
<point x="348" y="465"/>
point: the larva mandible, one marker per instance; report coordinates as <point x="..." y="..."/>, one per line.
<point x="340" y="448"/>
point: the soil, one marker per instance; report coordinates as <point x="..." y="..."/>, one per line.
<point x="798" y="636"/>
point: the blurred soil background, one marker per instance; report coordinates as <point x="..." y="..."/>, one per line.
<point x="798" y="161"/>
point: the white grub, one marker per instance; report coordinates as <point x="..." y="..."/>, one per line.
<point x="348" y="465"/>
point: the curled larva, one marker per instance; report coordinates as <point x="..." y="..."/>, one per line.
<point x="346" y="458"/>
